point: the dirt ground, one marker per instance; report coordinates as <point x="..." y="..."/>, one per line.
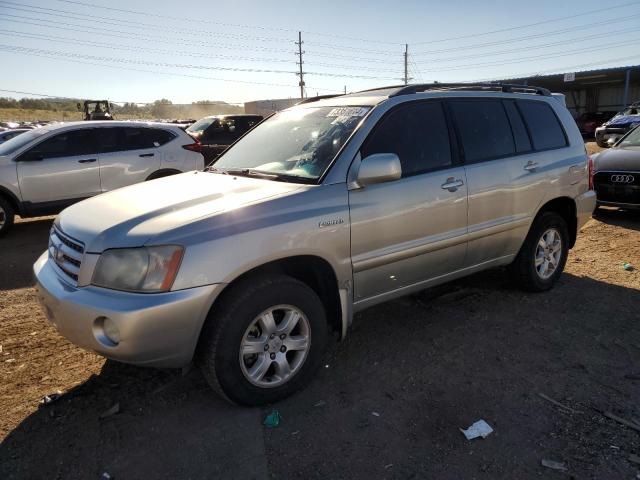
<point x="388" y="404"/>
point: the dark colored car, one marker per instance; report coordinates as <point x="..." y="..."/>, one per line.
<point x="216" y="133"/>
<point x="589" y="121"/>
<point x="619" y="125"/>
<point x="616" y="173"/>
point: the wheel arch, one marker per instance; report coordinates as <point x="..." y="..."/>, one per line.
<point x="13" y="200"/>
<point x="163" y="172"/>
<point x="566" y="208"/>
<point x="313" y="271"/>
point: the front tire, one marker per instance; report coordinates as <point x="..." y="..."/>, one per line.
<point x="264" y="341"/>
<point x="543" y="255"/>
<point x="7" y="216"/>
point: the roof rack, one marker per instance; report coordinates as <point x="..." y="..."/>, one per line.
<point x="500" y="87"/>
<point x="318" y="97"/>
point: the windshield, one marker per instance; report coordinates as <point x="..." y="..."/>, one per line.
<point x="201" y="125"/>
<point x="631" y="140"/>
<point x="630" y="110"/>
<point x="301" y="142"/>
<point x="16" y="143"/>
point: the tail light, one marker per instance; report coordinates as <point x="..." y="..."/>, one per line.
<point x="590" y="160"/>
<point x="193" y="147"/>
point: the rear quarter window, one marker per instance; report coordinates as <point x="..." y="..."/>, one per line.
<point x="543" y="125"/>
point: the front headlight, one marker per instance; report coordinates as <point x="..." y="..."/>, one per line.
<point x="146" y="269"/>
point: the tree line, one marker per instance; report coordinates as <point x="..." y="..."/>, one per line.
<point x="162" y="108"/>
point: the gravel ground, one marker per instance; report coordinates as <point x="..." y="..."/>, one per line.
<point x="388" y="404"/>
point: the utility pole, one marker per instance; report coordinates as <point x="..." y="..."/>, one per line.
<point x="300" y="62"/>
<point x="406" y="63"/>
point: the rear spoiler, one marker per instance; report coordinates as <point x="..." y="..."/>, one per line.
<point x="560" y="97"/>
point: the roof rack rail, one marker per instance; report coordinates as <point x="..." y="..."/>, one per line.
<point x="501" y="87"/>
<point x="318" y="97"/>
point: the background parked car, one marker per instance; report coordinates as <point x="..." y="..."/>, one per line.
<point x="9" y="134"/>
<point x="589" y="121"/>
<point x="617" y="173"/>
<point x="619" y="125"/>
<point x="216" y="133"/>
<point x="44" y="170"/>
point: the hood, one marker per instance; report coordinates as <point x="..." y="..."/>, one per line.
<point x="623" y="121"/>
<point x="618" y="159"/>
<point x="130" y="216"/>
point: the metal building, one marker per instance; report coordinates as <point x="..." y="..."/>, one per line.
<point x="593" y="90"/>
<point x="267" y="107"/>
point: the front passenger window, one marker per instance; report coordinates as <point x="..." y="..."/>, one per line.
<point x="66" y="144"/>
<point x="417" y="133"/>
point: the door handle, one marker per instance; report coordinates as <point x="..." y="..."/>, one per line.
<point x="452" y="184"/>
<point x="531" y="166"/>
<point x="146" y="155"/>
<point x="87" y="160"/>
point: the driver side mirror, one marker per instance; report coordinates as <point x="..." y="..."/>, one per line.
<point x="379" y="168"/>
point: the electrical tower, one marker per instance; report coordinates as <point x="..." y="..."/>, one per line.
<point x="300" y="62"/>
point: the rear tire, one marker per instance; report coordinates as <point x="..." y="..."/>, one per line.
<point x="543" y="255"/>
<point x="279" y="361"/>
<point x="7" y="216"/>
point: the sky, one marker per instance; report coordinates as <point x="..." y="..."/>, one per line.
<point x="237" y="51"/>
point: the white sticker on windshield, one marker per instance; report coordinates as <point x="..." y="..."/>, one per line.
<point x="348" y="112"/>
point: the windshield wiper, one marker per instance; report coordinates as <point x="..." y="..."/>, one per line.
<point x="213" y="169"/>
<point x="250" y="172"/>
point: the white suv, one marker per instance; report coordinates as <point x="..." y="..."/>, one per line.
<point x="47" y="169"/>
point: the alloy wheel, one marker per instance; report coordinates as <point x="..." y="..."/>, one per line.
<point x="275" y="346"/>
<point x="548" y="253"/>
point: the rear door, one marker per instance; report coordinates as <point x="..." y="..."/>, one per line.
<point x="129" y="155"/>
<point x="410" y="230"/>
<point x="507" y="176"/>
<point x="60" y="169"/>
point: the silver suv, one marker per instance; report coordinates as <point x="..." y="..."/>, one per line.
<point x="321" y="211"/>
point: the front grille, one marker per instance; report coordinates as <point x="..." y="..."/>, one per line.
<point x="608" y="190"/>
<point x="66" y="253"/>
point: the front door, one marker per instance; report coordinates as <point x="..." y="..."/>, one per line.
<point x="410" y="230"/>
<point x="59" y="170"/>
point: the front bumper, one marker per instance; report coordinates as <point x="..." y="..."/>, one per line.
<point x="159" y="330"/>
<point x="585" y="205"/>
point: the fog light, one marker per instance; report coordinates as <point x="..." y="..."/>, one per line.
<point x="111" y="331"/>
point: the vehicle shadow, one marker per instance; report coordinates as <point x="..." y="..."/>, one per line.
<point x="393" y="393"/>
<point x="622" y="218"/>
<point x="19" y="249"/>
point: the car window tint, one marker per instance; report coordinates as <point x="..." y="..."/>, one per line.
<point x="544" y="127"/>
<point x="520" y="135"/>
<point x="158" y="137"/>
<point x="109" y="139"/>
<point x="484" y="129"/>
<point x="135" y="138"/>
<point x="417" y="133"/>
<point x="67" y="144"/>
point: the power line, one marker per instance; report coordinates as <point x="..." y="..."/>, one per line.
<point x="58" y="53"/>
<point x="117" y="46"/>
<point x="152" y="38"/>
<point x="543" y="22"/>
<point x="528" y="37"/>
<point x="572" y="68"/>
<point x="531" y="47"/>
<point x="156" y="72"/>
<point x="122" y="23"/>
<point x="235" y="25"/>
<point x="535" y="57"/>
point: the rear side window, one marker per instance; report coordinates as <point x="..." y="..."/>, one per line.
<point x="136" y="138"/>
<point x="484" y="129"/>
<point x="520" y="135"/>
<point x="417" y="133"/>
<point x="544" y="127"/>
